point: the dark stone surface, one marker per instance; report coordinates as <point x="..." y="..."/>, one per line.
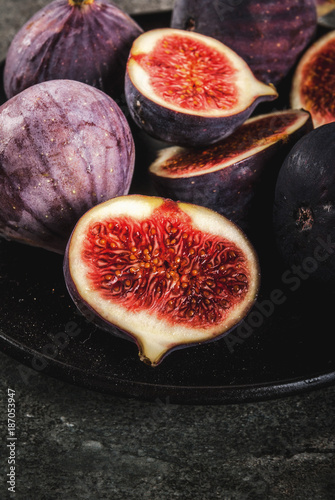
<point x="74" y="443"/>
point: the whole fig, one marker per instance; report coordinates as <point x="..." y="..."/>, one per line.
<point x="84" y="40"/>
<point x="64" y="147"/>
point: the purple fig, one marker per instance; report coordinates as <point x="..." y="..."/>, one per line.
<point x="163" y="274"/>
<point x="188" y="89"/>
<point x="83" y="40"/>
<point x="64" y="147"/>
<point x="236" y="176"/>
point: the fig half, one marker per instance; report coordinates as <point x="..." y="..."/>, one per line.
<point x="64" y="147"/>
<point x="188" y="89"/>
<point x="234" y="174"/>
<point x="162" y="274"/>
<point x="83" y="40"/>
<point x="270" y="35"/>
<point x="304" y="209"/>
<point x="313" y="84"/>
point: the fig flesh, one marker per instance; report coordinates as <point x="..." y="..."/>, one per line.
<point x="235" y="174"/>
<point x="163" y="274"/>
<point x="84" y="40"/>
<point x="313" y="83"/>
<point x="269" y="35"/>
<point x="64" y="147"/>
<point x="188" y="89"/>
<point x="304" y="209"/>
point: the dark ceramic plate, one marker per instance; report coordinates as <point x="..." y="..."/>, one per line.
<point x="285" y="345"/>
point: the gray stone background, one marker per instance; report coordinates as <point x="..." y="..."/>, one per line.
<point x="77" y="444"/>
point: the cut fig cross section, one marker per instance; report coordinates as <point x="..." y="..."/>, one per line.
<point x="160" y="273"/>
<point x="189" y="89"/>
<point x="313" y="84"/>
<point x="235" y="174"/>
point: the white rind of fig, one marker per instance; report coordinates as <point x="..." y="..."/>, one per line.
<point x="147" y="319"/>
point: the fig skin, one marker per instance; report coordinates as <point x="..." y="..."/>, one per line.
<point x="87" y="41"/>
<point x="304" y="208"/>
<point x="175" y="125"/>
<point x="312" y="86"/>
<point x="64" y="147"/>
<point x="156" y="333"/>
<point x="270" y="35"/>
<point x="240" y="188"/>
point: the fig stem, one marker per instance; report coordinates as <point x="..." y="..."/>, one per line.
<point x="80" y="3"/>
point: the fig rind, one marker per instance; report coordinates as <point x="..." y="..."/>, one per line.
<point x="173" y="124"/>
<point x="269" y="35"/>
<point x="64" y="147"/>
<point x="235" y="175"/>
<point x="84" y="41"/>
<point x="155" y="331"/>
<point x="324" y="7"/>
<point x="304" y="211"/>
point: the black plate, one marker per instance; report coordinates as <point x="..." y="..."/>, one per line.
<point x="284" y="346"/>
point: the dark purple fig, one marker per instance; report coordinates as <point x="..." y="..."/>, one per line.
<point x="84" y="40"/>
<point x="269" y="35"/>
<point x="163" y="274"/>
<point x="313" y="85"/>
<point x="64" y="147"/>
<point x="188" y="89"/>
<point x="304" y="210"/>
<point x="237" y="174"/>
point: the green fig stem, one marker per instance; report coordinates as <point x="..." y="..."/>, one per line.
<point x="80" y="3"/>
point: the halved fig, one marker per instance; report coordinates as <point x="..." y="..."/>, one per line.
<point x="188" y="89"/>
<point x="64" y="147"/>
<point x="235" y="174"/>
<point x="163" y="274"/>
<point x="304" y="209"/>
<point x="83" y="40"/>
<point x="270" y="35"/>
<point x="313" y="84"/>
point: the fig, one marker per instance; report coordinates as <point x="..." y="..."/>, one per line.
<point x="269" y="35"/>
<point x="313" y="83"/>
<point x="188" y="89"/>
<point x="65" y="146"/>
<point x="83" y="40"/>
<point x="304" y="208"/>
<point x="163" y="274"/>
<point x="235" y="173"/>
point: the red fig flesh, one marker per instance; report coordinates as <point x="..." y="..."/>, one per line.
<point x="313" y="85"/>
<point x="64" y="147"/>
<point x="84" y="40"/>
<point x="165" y="274"/>
<point x="189" y="89"/>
